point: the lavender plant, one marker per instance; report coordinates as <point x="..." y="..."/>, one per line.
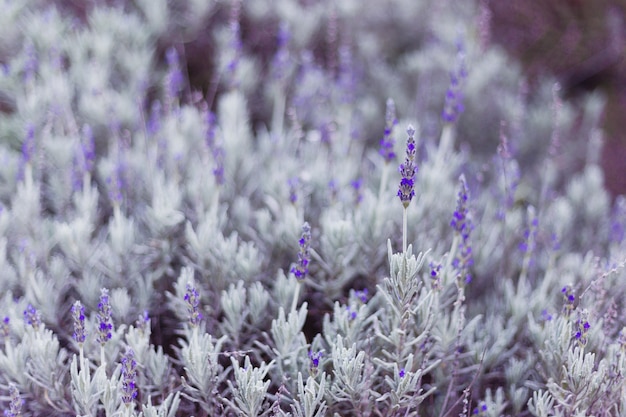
<point x="198" y="216"/>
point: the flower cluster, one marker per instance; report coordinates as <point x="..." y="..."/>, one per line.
<point x="408" y="169"/>
<point x="192" y="301"/>
<point x="387" y="142"/>
<point x="78" y="315"/>
<point x="129" y="377"/>
<point x="105" y="321"/>
<point x="462" y="225"/>
<point x="301" y="268"/>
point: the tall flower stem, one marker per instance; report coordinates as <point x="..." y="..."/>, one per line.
<point x="404" y="229"/>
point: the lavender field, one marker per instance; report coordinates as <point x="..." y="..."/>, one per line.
<point x="301" y="208"/>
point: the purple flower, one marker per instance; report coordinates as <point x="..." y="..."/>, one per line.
<point x="408" y="170"/>
<point x="15" y="405"/>
<point x="358" y="194"/>
<point x="453" y="106"/>
<point x="105" y="322"/>
<point x="462" y="225"/>
<point x="281" y="59"/>
<point x="402" y="373"/>
<point x="347" y="78"/>
<point x="582" y="328"/>
<point x="129" y="377"/>
<point x="361" y="295"/>
<point x="387" y="142"/>
<point x="5" y="330"/>
<point x="32" y="317"/>
<point x="293" y="188"/>
<point x="569" y="299"/>
<point x="143" y="322"/>
<point x="192" y="299"/>
<point x="314" y="364"/>
<point x="78" y="315"/>
<point x="301" y="268"/>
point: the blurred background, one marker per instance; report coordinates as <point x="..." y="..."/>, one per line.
<point x="581" y="43"/>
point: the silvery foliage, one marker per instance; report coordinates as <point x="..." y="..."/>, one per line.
<point x="539" y="330"/>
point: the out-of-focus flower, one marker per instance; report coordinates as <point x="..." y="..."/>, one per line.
<point x="301" y="268"/>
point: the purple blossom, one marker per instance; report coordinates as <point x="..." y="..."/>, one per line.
<point x="347" y="77"/>
<point x="314" y="364"/>
<point x="15" y="404"/>
<point x="192" y="299"/>
<point x="293" y="188"/>
<point x="105" y="322"/>
<point x="32" y="317"/>
<point x="301" y="268"/>
<point x="357" y="185"/>
<point x="143" y="322"/>
<point x="5" y="330"/>
<point x="462" y="225"/>
<point x="402" y="373"/>
<point x="569" y="300"/>
<point x="361" y="295"/>
<point x="129" y="377"/>
<point x="408" y="170"/>
<point x="453" y="106"/>
<point x="387" y="142"/>
<point x="281" y="58"/>
<point x="78" y="315"/>
<point x="582" y="327"/>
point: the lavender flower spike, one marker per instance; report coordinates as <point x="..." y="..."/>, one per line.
<point x="78" y="314"/>
<point x="462" y="225"/>
<point x="105" y="323"/>
<point x="301" y="269"/>
<point x="387" y="142"/>
<point x="192" y="299"/>
<point x="129" y="377"/>
<point x="408" y="170"/>
<point x="32" y="317"/>
<point x="15" y="406"/>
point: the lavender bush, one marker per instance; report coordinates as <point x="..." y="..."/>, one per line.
<point x="364" y="211"/>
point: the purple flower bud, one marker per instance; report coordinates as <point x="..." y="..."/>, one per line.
<point x="387" y="142"/>
<point x="281" y="59"/>
<point x="129" y="377"/>
<point x="78" y="315"/>
<point x="462" y="225"/>
<point x="5" y="330"/>
<point x="105" y="322"/>
<point x="192" y="299"/>
<point x="32" y="317"/>
<point x="314" y="364"/>
<point x="15" y="405"/>
<point x="408" y="170"/>
<point x="453" y="106"/>
<point x="301" y="268"/>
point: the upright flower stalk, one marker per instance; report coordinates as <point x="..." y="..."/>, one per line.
<point x="105" y="322"/>
<point x="387" y="144"/>
<point x="406" y="190"/>
<point x="301" y="268"/>
<point x="78" y="316"/>
<point x="462" y="225"/>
